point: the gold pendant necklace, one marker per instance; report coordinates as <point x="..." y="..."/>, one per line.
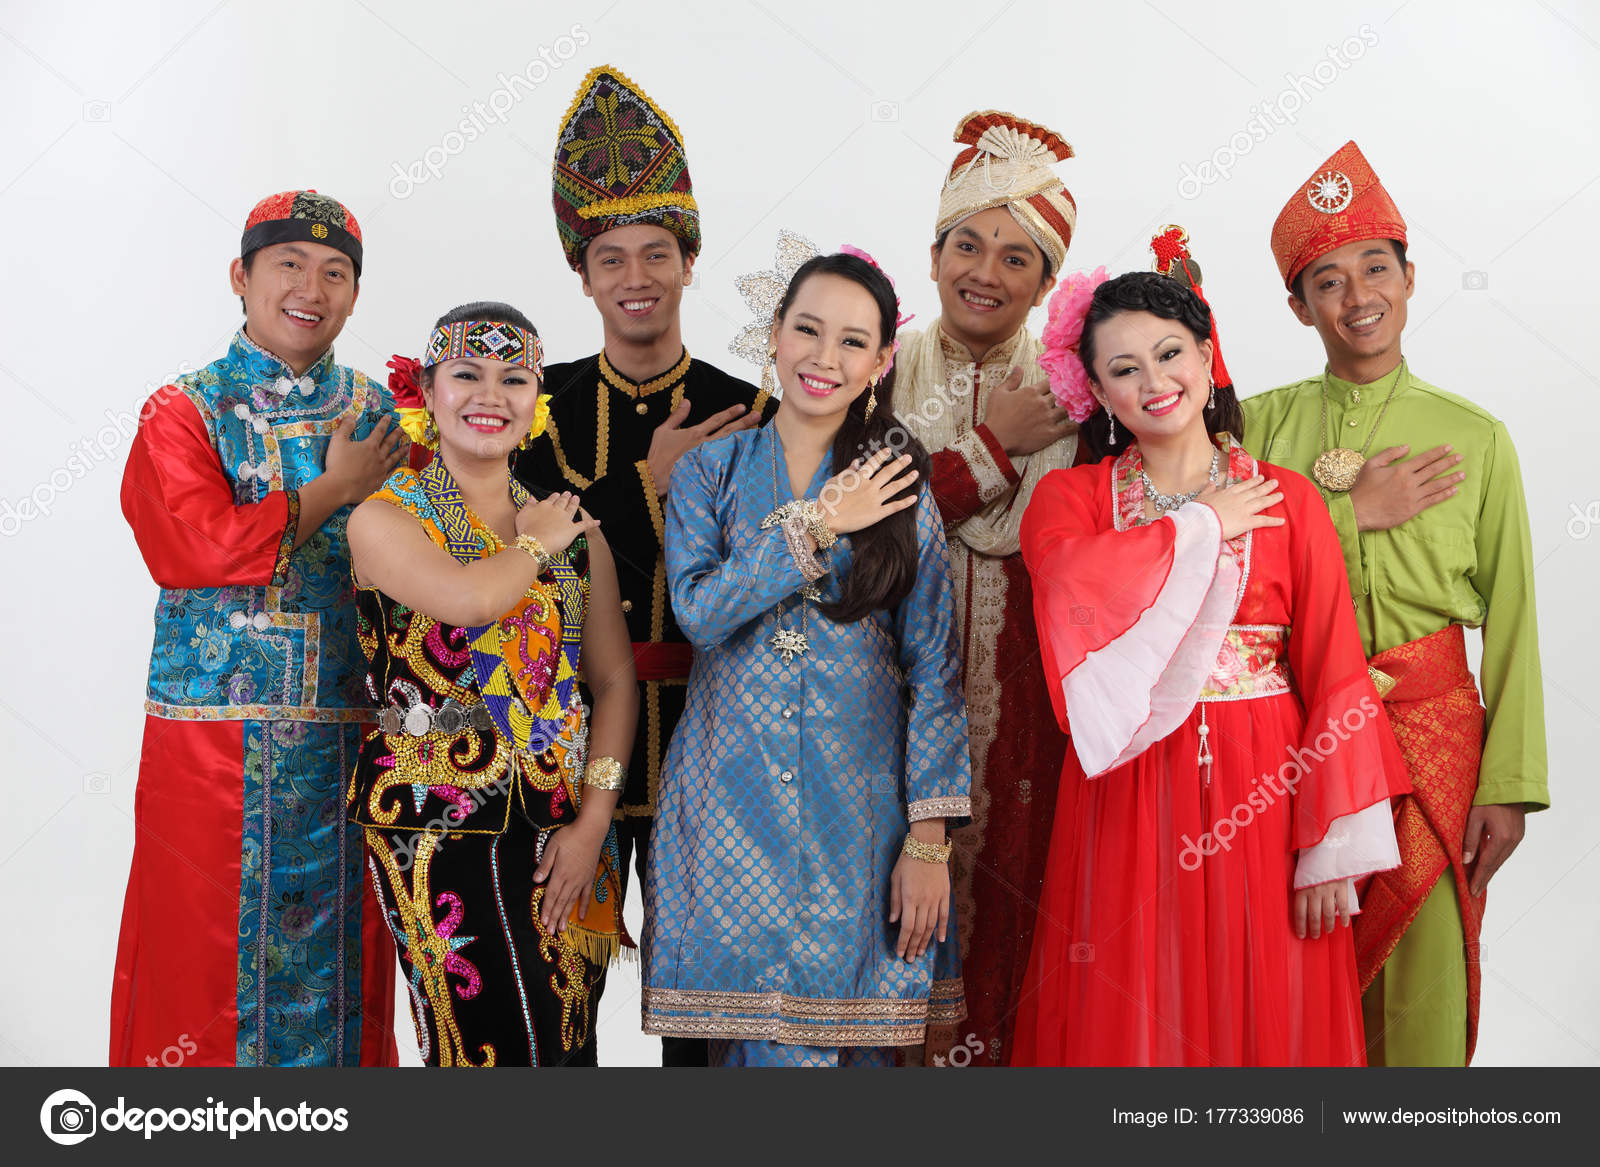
<point x="1337" y="469"/>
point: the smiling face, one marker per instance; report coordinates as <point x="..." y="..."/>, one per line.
<point x="1152" y="373"/>
<point x="1355" y="297"/>
<point x="828" y="346"/>
<point x="636" y="276"/>
<point x="990" y="273"/>
<point x="297" y="297"/>
<point x="482" y="408"/>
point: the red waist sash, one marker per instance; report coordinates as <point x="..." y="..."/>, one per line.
<point x="1438" y="721"/>
<point x="657" y="661"/>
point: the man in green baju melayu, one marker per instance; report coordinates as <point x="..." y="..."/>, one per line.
<point x="1434" y="543"/>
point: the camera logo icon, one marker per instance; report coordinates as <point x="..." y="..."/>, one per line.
<point x="1081" y="615"/>
<point x="885" y="111"/>
<point x="68" y="1117"/>
<point x="1474" y="281"/>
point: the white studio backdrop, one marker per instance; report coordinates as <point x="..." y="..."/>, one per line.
<point x="137" y="137"/>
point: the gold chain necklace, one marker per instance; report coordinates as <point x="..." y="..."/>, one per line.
<point x="1338" y="468"/>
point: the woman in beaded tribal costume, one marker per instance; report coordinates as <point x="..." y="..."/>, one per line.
<point x="797" y="902"/>
<point x="488" y="828"/>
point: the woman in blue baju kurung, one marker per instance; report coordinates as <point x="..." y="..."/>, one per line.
<point x="787" y="918"/>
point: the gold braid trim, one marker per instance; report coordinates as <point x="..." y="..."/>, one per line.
<point x="602" y="441"/>
<point x="654" y="385"/>
<point x="636" y="203"/>
<point x="652" y="501"/>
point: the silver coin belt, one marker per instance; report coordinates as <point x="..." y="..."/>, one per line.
<point x="450" y="718"/>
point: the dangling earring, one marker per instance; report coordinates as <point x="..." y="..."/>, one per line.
<point x="1212" y="404"/>
<point x="1111" y="428"/>
<point x="769" y="371"/>
<point x="430" y="435"/>
<point x="872" y="398"/>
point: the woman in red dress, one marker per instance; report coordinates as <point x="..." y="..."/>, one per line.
<point x="1231" y="767"/>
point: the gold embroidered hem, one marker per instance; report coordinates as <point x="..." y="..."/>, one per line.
<point x="315" y="713"/>
<point x="795" y="1020"/>
<point x="947" y="1002"/>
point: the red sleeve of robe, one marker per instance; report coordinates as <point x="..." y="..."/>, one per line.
<point x="181" y="508"/>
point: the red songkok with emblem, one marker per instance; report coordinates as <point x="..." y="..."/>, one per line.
<point x="1341" y="203"/>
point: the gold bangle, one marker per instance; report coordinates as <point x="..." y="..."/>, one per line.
<point x="534" y="548"/>
<point x="927" y="852"/>
<point x="605" y="774"/>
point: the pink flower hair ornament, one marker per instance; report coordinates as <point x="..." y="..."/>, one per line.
<point x="1063" y="332"/>
<point x="901" y="319"/>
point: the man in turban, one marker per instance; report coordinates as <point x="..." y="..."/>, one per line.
<point x="970" y="388"/>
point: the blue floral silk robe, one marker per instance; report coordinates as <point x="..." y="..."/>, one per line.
<point x="249" y="936"/>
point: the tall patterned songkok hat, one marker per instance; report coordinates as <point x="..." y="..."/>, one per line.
<point x="1341" y="203"/>
<point x="620" y="160"/>
<point x="302" y="216"/>
<point x="1006" y="162"/>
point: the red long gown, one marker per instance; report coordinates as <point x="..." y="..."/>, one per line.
<point x="1164" y="934"/>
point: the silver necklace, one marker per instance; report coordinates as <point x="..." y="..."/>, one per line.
<point x="786" y="642"/>
<point x="1171" y="502"/>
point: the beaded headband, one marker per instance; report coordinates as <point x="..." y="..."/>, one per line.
<point x="490" y="339"/>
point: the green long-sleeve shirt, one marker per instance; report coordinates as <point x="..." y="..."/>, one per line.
<point x="1467" y="560"/>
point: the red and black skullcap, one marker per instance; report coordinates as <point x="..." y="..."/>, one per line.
<point x="302" y="216"/>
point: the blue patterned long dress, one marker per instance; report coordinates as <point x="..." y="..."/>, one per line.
<point x="790" y="785"/>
